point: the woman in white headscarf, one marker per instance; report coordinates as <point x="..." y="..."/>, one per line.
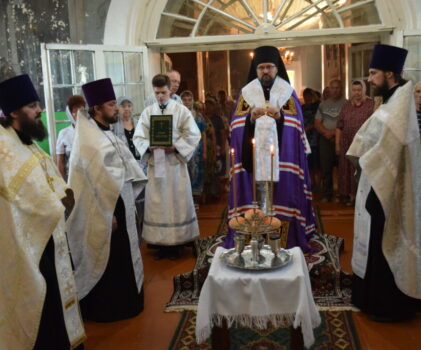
<point x="124" y="129"/>
<point x="353" y="114"/>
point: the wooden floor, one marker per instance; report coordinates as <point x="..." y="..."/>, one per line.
<point x="153" y="328"/>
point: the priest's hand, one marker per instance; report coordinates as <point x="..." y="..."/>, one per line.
<point x="273" y="112"/>
<point x="257" y="112"/>
<point x="114" y="225"/>
<point x="68" y="202"/>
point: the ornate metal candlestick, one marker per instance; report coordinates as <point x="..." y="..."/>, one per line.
<point x="253" y="227"/>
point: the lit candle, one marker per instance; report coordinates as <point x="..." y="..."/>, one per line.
<point x="272" y="154"/>
<point x="233" y="180"/>
<point x="253" y="141"/>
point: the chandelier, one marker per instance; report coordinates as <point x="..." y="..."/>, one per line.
<point x="288" y="56"/>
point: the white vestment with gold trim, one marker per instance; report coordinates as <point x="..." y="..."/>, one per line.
<point x="31" y="212"/>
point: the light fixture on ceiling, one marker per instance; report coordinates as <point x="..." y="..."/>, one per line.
<point x="288" y="56"/>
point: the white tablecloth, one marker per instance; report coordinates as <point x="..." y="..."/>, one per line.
<point x="253" y="298"/>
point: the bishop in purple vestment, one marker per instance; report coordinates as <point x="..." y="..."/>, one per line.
<point x="268" y="92"/>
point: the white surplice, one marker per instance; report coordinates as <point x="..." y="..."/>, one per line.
<point x="101" y="169"/>
<point x="265" y="132"/>
<point x="31" y="212"/>
<point x="388" y="150"/>
<point x="170" y="216"/>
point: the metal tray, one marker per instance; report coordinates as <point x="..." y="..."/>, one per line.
<point x="267" y="259"/>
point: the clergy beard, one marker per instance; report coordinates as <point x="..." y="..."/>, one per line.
<point x="108" y="117"/>
<point x="381" y="90"/>
<point x="32" y="128"/>
<point x="111" y="119"/>
<point x="266" y="80"/>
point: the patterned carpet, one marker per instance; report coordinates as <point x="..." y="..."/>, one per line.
<point x="337" y="331"/>
<point x="331" y="286"/>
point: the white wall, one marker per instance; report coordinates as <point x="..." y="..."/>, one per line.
<point x="154" y="58"/>
<point x="132" y="22"/>
<point x="311" y="62"/>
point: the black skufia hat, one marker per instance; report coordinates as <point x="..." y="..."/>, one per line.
<point x="388" y="58"/>
<point x="98" y="92"/>
<point x="264" y="54"/>
<point x="17" y="92"/>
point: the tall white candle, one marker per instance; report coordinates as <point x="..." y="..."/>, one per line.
<point x="233" y="180"/>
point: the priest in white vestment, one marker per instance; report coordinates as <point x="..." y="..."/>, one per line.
<point x="170" y="217"/>
<point x="386" y="258"/>
<point x="102" y="229"/>
<point x="39" y="307"/>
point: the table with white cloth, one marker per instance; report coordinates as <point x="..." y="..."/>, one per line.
<point x="280" y="297"/>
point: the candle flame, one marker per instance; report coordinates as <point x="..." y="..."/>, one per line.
<point x="272" y="149"/>
<point x="253" y="141"/>
<point x="232" y="151"/>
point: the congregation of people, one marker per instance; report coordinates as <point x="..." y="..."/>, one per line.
<point x="74" y="225"/>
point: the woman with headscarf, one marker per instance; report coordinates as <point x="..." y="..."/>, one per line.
<point x="124" y="130"/>
<point x="126" y="124"/>
<point x="353" y="114"/>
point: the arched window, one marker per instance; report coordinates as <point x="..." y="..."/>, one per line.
<point x="196" y="18"/>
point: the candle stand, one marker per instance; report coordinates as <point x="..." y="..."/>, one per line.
<point x="252" y="230"/>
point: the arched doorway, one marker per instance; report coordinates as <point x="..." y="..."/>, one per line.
<point x="217" y="25"/>
<point x="186" y="23"/>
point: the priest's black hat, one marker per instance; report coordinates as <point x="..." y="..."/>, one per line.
<point x="265" y="54"/>
<point x="98" y="92"/>
<point x="388" y="58"/>
<point x="17" y="92"/>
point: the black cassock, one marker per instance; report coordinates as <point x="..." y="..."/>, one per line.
<point x="115" y="296"/>
<point x="377" y="293"/>
<point x="52" y="333"/>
